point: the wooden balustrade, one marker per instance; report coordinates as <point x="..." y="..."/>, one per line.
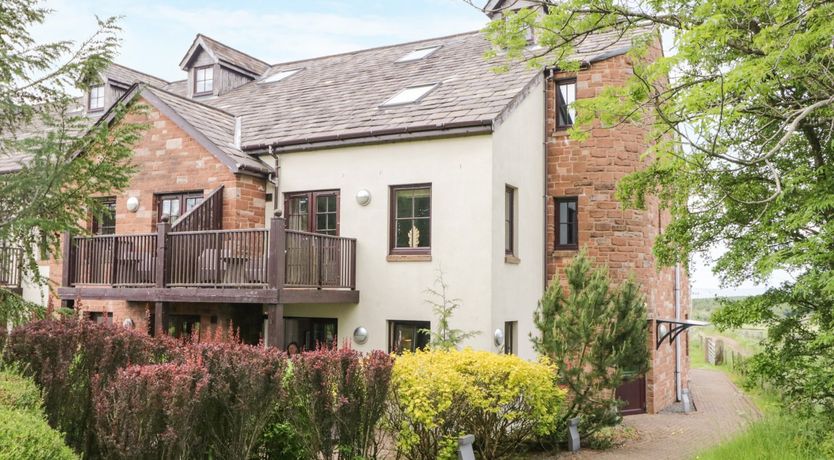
<point x="320" y="261"/>
<point x="253" y="258"/>
<point x="11" y="259"/>
<point x="208" y="215"/>
<point x="114" y="260"/>
<point x="218" y="258"/>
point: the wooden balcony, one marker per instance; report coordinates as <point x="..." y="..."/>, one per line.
<point x="264" y="265"/>
<point x="11" y="259"/>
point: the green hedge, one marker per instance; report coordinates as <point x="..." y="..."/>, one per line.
<point x="24" y="433"/>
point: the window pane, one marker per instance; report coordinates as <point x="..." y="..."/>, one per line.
<point x="402" y="233"/>
<point x="568" y="223"/>
<point x="405" y="203"/>
<point x="422" y="203"/>
<point x="567" y="96"/>
<point x="422" y="237"/>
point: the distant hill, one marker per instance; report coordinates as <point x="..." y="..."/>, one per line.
<point x="702" y="308"/>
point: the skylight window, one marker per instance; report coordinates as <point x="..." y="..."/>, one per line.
<point x="410" y="95"/>
<point x="418" y="54"/>
<point x="278" y="76"/>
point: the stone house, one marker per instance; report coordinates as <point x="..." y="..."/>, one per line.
<point x="316" y="201"/>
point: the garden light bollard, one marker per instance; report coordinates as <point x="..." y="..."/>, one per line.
<point x="465" y="451"/>
<point x="573" y="434"/>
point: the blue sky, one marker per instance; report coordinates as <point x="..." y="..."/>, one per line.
<point x="158" y="33"/>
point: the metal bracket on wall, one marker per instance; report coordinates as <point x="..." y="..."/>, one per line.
<point x="674" y="329"/>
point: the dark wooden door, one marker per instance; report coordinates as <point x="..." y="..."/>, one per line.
<point x="633" y="392"/>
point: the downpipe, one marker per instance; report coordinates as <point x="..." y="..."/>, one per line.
<point x="677" y="339"/>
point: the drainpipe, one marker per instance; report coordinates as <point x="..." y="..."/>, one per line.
<point x="677" y="339"/>
<point x="544" y="177"/>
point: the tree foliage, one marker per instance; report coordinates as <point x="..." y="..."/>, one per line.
<point x="742" y="131"/>
<point x="595" y="334"/>
<point x="444" y="337"/>
<point x="65" y="161"/>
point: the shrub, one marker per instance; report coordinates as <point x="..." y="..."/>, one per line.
<point x="338" y="398"/>
<point x="18" y="392"/>
<point x="244" y="384"/>
<point x="503" y="400"/>
<point x="64" y="355"/>
<point x="151" y="411"/>
<point x="25" y="435"/>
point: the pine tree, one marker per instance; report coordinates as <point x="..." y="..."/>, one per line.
<point x="594" y="333"/>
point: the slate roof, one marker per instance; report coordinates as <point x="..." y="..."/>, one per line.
<point x="230" y="55"/>
<point x="128" y="76"/>
<point x="179" y="87"/>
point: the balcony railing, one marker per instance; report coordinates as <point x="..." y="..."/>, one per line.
<point x="11" y="259"/>
<point x="251" y="258"/>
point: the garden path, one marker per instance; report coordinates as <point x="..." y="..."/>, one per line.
<point x="722" y="411"/>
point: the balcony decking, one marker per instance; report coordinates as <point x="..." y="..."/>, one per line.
<point x="265" y="265"/>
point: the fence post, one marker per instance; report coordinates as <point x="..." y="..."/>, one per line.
<point x="160" y="273"/>
<point x="276" y="275"/>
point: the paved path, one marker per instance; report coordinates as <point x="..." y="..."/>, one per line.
<point x="723" y="410"/>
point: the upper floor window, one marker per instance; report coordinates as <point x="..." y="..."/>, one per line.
<point x="96" y="100"/>
<point x="567" y="223"/>
<point x="565" y="97"/>
<point x="174" y="205"/>
<point x="316" y="212"/>
<point x="105" y="224"/>
<point x="203" y="79"/>
<point x="411" y="219"/>
<point x="509" y="220"/>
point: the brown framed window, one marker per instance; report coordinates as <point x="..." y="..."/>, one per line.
<point x="105" y="224"/>
<point x="510" y="342"/>
<point x="203" y="80"/>
<point x="410" y="225"/>
<point x="567" y="222"/>
<point x="408" y="336"/>
<point x="509" y="220"/>
<point x="95" y="101"/>
<point x="565" y="97"/>
<point x="315" y="212"/>
<point x="100" y="317"/>
<point x="174" y="205"/>
<point x="310" y="333"/>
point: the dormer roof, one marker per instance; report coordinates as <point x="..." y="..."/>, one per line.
<point x="120" y="75"/>
<point x="224" y="55"/>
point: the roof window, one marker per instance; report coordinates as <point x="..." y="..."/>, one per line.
<point x="418" y="54"/>
<point x="278" y="76"/>
<point x="410" y="95"/>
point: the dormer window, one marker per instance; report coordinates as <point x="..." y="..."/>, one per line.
<point x="96" y="100"/>
<point x="203" y="80"/>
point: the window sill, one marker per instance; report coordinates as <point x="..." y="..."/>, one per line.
<point x="511" y="259"/>
<point x="566" y="251"/>
<point x="408" y="258"/>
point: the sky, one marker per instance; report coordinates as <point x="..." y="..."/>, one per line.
<point x="156" y="35"/>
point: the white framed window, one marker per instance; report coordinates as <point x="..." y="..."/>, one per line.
<point x="410" y="95"/>
<point x="203" y="79"/>
<point x="282" y="75"/>
<point x="96" y="100"/>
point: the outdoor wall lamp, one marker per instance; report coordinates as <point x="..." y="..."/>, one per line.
<point x="499" y="337"/>
<point x="133" y="204"/>
<point x="128" y="323"/>
<point x="363" y="197"/>
<point x="360" y="335"/>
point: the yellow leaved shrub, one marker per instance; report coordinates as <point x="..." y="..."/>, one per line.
<point x="438" y="396"/>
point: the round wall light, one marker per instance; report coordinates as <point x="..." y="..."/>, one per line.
<point x="133" y="204"/>
<point x="363" y="197"/>
<point x="662" y="330"/>
<point x="128" y="323"/>
<point x="360" y="335"/>
<point x="499" y="337"/>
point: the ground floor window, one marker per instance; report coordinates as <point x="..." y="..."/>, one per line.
<point x="510" y="332"/>
<point x="100" y="317"/>
<point x="181" y="326"/>
<point x="407" y="335"/>
<point x="309" y="333"/>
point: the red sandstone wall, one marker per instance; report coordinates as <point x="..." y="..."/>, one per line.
<point x="168" y="161"/>
<point x="620" y="238"/>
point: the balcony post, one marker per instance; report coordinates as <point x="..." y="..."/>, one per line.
<point x="160" y="310"/>
<point x="275" y="278"/>
<point x="66" y="248"/>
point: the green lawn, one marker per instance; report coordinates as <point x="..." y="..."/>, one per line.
<point x="778" y="435"/>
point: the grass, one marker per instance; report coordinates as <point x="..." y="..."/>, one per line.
<point x="779" y="435"/>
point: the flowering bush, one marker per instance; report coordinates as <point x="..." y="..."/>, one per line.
<point x="337" y="398"/>
<point x="501" y="399"/>
<point x="63" y="356"/>
<point x="151" y="411"/>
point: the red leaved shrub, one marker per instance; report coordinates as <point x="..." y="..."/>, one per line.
<point x="64" y="355"/>
<point x="151" y="411"/>
<point x="338" y="397"/>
